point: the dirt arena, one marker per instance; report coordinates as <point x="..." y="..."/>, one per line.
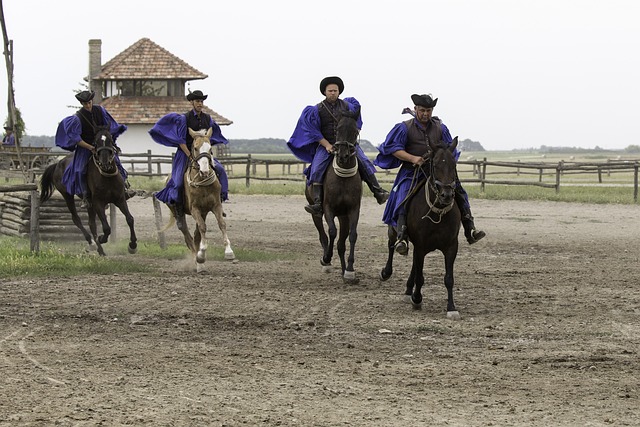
<point x="549" y="333"/>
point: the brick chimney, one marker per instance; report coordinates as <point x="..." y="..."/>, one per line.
<point x="95" y="67"/>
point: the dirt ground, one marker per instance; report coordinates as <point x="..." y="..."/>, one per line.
<point x="549" y="331"/>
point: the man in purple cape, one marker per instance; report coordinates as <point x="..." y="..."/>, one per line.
<point x="172" y="131"/>
<point x="313" y="138"/>
<point x="404" y="147"/>
<point x="77" y="134"/>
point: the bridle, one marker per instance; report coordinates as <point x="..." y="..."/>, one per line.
<point x="109" y="168"/>
<point x="200" y="180"/>
<point x="345" y="172"/>
<point x="436" y="186"/>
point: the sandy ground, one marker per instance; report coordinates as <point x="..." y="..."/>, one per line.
<point x="549" y="331"/>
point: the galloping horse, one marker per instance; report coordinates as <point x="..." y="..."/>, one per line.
<point x="105" y="184"/>
<point x="433" y="222"/>
<point x="201" y="196"/>
<point x="342" y="196"/>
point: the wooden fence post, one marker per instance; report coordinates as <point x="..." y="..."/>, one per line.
<point x="112" y="222"/>
<point x="149" y="163"/>
<point x="483" y="175"/>
<point x="157" y="213"/>
<point x="558" y="171"/>
<point x="248" y="173"/>
<point x="34" y="232"/>
<point x="635" y="182"/>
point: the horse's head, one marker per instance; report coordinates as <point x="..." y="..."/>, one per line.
<point x="443" y="174"/>
<point x="346" y="138"/>
<point x="105" y="150"/>
<point x="201" y="151"/>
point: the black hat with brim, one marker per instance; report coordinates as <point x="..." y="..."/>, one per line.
<point x="8" y="128"/>
<point x="331" y="80"/>
<point x="196" y="94"/>
<point x="424" y="100"/>
<point x="85" y="96"/>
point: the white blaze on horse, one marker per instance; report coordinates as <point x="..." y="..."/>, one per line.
<point x="201" y="196"/>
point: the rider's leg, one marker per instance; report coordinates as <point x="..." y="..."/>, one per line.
<point x="470" y="231"/>
<point x="317" y="192"/>
<point x="402" y="242"/>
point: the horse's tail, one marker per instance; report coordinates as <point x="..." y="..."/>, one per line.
<point x="46" y="183"/>
<point x="171" y="223"/>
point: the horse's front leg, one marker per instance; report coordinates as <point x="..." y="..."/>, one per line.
<point x="333" y="232"/>
<point x="349" y="274"/>
<point x="222" y="225"/>
<point x="94" y="229"/>
<point x="200" y="236"/>
<point x="133" y="240"/>
<point x="449" y="260"/>
<point x="418" y="278"/>
<point x="387" y="270"/>
<point x="99" y="209"/>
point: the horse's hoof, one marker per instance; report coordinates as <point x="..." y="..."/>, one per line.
<point x="349" y="277"/>
<point x="416" y="305"/>
<point x="384" y="276"/>
<point x="133" y="248"/>
<point x="103" y="239"/>
<point x="229" y="255"/>
<point x="453" y="315"/>
<point x="200" y="259"/>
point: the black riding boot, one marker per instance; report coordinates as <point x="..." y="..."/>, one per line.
<point x="86" y="199"/>
<point x="179" y="211"/>
<point x="316" y="207"/>
<point x="402" y="243"/>
<point x="379" y="193"/>
<point x="470" y="231"/>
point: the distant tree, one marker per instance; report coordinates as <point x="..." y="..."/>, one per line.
<point x="18" y="127"/>
<point x="633" y="149"/>
<point x="469" y="145"/>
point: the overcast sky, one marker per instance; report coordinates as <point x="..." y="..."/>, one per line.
<point x="507" y="73"/>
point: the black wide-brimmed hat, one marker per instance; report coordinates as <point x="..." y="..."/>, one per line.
<point x="331" y="80"/>
<point x="424" y="100"/>
<point x="196" y="94"/>
<point x="8" y="128"/>
<point x="85" y="96"/>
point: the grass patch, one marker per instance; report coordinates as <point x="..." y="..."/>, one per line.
<point x="16" y="260"/>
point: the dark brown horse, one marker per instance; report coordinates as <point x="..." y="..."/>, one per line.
<point x="105" y="184"/>
<point x="433" y="223"/>
<point x="342" y="196"/>
<point x="201" y="196"/>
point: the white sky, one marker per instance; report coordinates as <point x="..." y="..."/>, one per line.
<point x="509" y="74"/>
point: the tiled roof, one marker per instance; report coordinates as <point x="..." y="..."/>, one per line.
<point x="146" y="60"/>
<point x="134" y="110"/>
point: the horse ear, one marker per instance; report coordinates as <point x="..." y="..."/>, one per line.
<point x="209" y="132"/>
<point x="454" y="144"/>
<point x="192" y="132"/>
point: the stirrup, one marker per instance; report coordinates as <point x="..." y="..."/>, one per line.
<point x="129" y="194"/>
<point x="475" y="235"/>
<point x="402" y="247"/>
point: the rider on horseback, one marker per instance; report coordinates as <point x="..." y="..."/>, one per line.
<point x="77" y="133"/>
<point x="405" y="146"/>
<point x="172" y="131"/>
<point x="313" y="138"/>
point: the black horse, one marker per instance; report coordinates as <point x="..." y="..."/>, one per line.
<point x="433" y="222"/>
<point x="105" y="184"/>
<point x="342" y="196"/>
